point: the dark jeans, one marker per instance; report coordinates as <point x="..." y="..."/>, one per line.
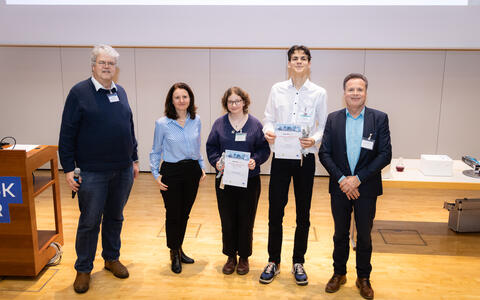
<point x="364" y="213"/>
<point x="281" y="172"/>
<point x="182" y="179"/>
<point x="237" y="207"/>
<point x="101" y="198"/>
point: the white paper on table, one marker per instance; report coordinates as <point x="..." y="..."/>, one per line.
<point x="236" y="168"/>
<point x="287" y="142"/>
<point x="22" y="147"/>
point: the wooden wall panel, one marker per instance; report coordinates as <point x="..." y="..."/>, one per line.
<point x="408" y="86"/>
<point x="460" y="105"/>
<point x="30" y="94"/>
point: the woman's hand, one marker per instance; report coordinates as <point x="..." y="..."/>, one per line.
<point x="219" y="168"/>
<point x="203" y="175"/>
<point x="163" y="186"/>
<point x="251" y="164"/>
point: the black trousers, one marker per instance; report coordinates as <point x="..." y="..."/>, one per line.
<point x="237" y="207"/>
<point x="282" y="170"/>
<point x="182" y="179"/>
<point x="364" y="212"/>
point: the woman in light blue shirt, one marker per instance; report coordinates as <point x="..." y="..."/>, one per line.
<point x="177" y="143"/>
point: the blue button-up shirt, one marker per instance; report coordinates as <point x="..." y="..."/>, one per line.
<point x="173" y="142"/>
<point x="353" y="136"/>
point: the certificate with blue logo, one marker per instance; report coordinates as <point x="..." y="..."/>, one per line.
<point x="287" y="142"/>
<point x="236" y="168"/>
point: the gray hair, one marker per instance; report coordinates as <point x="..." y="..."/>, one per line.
<point x="106" y="49"/>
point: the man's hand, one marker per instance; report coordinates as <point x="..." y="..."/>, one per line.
<point x="136" y="170"/>
<point x="270" y="137"/>
<point x="71" y="181"/>
<point x="349" y="186"/>
<point x="307" y="142"/>
<point x="353" y="195"/>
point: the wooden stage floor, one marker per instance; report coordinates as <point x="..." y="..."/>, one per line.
<point x="415" y="255"/>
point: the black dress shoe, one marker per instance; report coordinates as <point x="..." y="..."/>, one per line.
<point x="185" y="259"/>
<point x="176" y="265"/>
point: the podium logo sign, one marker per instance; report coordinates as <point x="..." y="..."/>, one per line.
<point x="10" y="192"/>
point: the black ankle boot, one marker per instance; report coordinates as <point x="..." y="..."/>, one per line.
<point x="184" y="258"/>
<point x="176" y="265"/>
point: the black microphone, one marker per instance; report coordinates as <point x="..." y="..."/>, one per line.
<point x="76" y="174"/>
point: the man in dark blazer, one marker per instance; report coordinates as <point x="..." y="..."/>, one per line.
<point x="355" y="148"/>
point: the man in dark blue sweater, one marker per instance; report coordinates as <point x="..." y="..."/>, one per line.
<point x="97" y="136"/>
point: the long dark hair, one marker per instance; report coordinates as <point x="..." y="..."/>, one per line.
<point x="170" y="111"/>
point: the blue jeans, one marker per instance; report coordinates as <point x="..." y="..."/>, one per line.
<point x="101" y="198"/>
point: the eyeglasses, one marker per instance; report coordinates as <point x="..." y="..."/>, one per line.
<point x="107" y="63"/>
<point x="236" y="102"/>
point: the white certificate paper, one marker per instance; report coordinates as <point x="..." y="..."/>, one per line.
<point x="236" y="168"/>
<point x="287" y="142"/>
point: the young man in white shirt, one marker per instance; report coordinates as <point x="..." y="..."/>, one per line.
<point x="300" y="102"/>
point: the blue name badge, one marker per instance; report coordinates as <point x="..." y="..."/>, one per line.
<point x="113" y="97"/>
<point x="10" y="192"/>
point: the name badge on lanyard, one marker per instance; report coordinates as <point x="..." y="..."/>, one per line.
<point x="240" y="137"/>
<point x="368" y="143"/>
<point x="305" y="117"/>
<point x="113" y="97"/>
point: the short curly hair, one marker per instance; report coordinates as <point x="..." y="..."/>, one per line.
<point x="106" y="49"/>
<point x="237" y="91"/>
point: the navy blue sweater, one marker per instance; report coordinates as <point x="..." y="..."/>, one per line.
<point x="222" y="136"/>
<point x="96" y="135"/>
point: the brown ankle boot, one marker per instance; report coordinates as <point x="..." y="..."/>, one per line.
<point x="243" y="266"/>
<point x="229" y="266"/>
<point x="117" y="268"/>
<point x="82" y="282"/>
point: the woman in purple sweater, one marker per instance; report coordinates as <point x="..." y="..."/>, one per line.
<point x="237" y="130"/>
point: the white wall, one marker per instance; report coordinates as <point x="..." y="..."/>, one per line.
<point x="243" y="26"/>
<point x="431" y="96"/>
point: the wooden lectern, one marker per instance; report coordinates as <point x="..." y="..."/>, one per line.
<point x="24" y="250"/>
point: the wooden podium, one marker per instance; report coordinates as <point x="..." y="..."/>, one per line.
<point x="24" y="250"/>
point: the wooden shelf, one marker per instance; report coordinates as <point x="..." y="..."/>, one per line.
<point x="45" y="237"/>
<point x="41" y="184"/>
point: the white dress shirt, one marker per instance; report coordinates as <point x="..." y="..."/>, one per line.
<point x="98" y="85"/>
<point x="306" y="107"/>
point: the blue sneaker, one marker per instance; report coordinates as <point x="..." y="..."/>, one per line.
<point x="300" y="275"/>
<point x="269" y="273"/>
